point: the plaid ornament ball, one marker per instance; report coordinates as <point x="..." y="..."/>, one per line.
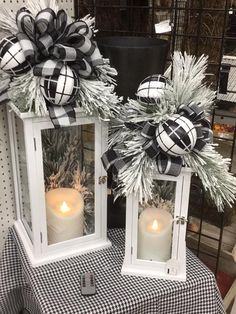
<point x="151" y="89"/>
<point x="62" y="89"/>
<point x="177" y="136"/>
<point x="12" y="58"/>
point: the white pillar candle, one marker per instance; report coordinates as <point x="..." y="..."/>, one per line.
<point x="65" y="214"/>
<point x="154" y="234"/>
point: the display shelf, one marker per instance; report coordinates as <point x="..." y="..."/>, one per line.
<point x="223" y="139"/>
<point x="224" y="122"/>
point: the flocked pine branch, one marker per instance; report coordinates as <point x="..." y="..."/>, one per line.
<point x="137" y="177"/>
<point x="118" y="135"/>
<point x="90" y="21"/>
<point x="98" y="98"/>
<point x="19" y="91"/>
<point x="188" y="74"/>
<point x="187" y="86"/>
<point x="135" y="111"/>
<point x="132" y="178"/>
<point x="25" y="93"/>
<point x="8" y="22"/>
<point x="212" y="169"/>
<point x="106" y="73"/>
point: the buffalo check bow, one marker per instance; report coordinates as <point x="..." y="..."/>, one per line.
<point x="49" y="41"/>
<point x="49" y="36"/>
<point x="113" y="161"/>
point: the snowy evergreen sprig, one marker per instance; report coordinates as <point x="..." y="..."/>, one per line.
<point x="96" y="96"/>
<point x="186" y="86"/>
<point x="187" y="81"/>
<point x="212" y="169"/>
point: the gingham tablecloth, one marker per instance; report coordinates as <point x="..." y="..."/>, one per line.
<point x="55" y="288"/>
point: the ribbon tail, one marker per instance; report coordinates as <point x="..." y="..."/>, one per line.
<point x="169" y="165"/>
<point x="149" y="130"/>
<point x="204" y="135"/>
<point x="152" y="148"/>
<point x="113" y="161"/>
<point x="61" y="116"/>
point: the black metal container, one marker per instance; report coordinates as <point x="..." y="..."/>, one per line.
<point x="134" y="58"/>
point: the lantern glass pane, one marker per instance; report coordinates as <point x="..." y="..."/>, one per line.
<point x="155" y="223"/>
<point x="22" y="177"/>
<point x="68" y="161"/>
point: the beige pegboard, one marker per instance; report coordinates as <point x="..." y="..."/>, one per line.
<point x="7" y="202"/>
<point x="14" y="5"/>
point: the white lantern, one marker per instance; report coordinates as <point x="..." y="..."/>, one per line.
<point x="61" y="195"/>
<point x="155" y="232"/>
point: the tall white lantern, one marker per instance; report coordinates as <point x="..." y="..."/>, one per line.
<point x="60" y="185"/>
<point x="155" y="232"/>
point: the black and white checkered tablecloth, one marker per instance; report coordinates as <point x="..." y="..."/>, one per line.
<point x="55" y="288"/>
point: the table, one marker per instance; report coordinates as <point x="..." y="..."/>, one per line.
<point x="55" y="288"/>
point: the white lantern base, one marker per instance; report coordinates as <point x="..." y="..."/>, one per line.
<point x="67" y="251"/>
<point x="160" y="270"/>
<point x="175" y="268"/>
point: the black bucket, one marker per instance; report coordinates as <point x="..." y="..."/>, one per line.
<point x="134" y="58"/>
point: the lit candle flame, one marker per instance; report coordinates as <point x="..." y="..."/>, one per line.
<point x="64" y="208"/>
<point x="154" y="225"/>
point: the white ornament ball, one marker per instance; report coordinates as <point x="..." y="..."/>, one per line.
<point x="151" y="89"/>
<point x="12" y="58"/>
<point x="177" y="136"/>
<point x="62" y="89"/>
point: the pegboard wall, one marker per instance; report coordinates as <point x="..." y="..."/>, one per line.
<point x="7" y="201"/>
<point x="14" y="5"/>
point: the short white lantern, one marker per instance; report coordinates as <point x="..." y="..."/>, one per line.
<point x="155" y="232"/>
<point x="60" y="185"/>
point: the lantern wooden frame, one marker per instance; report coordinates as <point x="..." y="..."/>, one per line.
<point x="35" y="242"/>
<point x="175" y="268"/>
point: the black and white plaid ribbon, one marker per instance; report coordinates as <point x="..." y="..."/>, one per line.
<point x="61" y="115"/>
<point x="113" y="161"/>
<point x="49" y="36"/>
<point x="3" y="89"/>
<point x="166" y="164"/>
<point x="48" y="68"/>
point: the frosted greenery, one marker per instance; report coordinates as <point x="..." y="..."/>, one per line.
<point x="96" y="96"/>
<point x="186" y="76"/>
